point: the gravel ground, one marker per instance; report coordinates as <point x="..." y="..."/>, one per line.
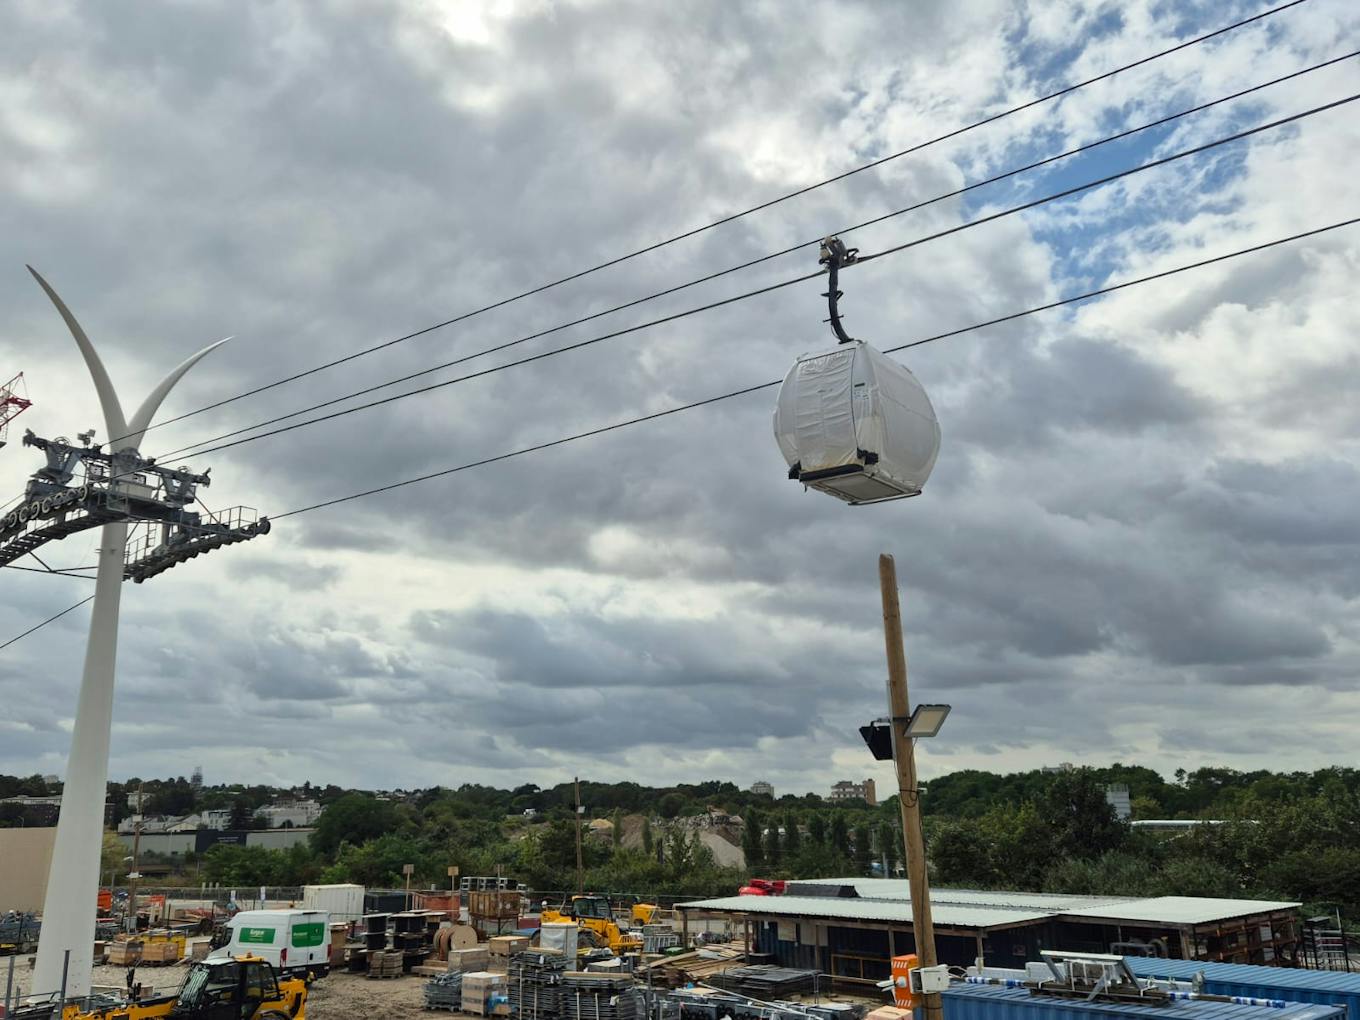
<point x="165" y="979"/>
<point x="345" y="996"/>
<point x="340" y="996"/>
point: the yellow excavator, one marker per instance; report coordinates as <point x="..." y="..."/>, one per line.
<point x="240" y="988"/>
<point x="594" y="914"/>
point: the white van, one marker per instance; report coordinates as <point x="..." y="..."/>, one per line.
<point x="294" y="941"/>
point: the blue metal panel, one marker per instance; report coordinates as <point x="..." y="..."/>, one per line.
<point x="993" y="1002"/>
<point x="1325" y="986"/>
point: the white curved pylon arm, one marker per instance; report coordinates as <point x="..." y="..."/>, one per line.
<point x="141" y="418"/>
<point x="122" y="432"/>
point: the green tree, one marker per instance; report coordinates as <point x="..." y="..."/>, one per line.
<point x="888" y="835"/>
<point x="839" y="834"/>
<point x="354" y="818"/>
<point x="670" y="805"/>
<point x="864" y="854"/>
<point x="773" y="852"/>
<point x="1084" y="823"/>
<point x="793" y="838"/>
<point x="817" y="829"/>
<point x="752" y="843"/>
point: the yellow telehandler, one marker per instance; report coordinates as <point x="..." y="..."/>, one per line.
<point x="594" y="914"/>
<point x="240" y="988"/>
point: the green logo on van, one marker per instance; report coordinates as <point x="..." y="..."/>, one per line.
<point x="306" y="935"/>
<point x="258" y="936"/>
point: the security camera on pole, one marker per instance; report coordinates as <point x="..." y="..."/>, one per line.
<point x="119" y="488"/>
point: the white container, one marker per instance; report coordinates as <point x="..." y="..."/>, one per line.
<point x="855" y="424"/>
<point x="560" y="936"/>
<point x="342" y="902"/>
<point x="292" y="940"/>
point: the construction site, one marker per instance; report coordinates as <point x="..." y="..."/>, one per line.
<point x="1137" y="549"/>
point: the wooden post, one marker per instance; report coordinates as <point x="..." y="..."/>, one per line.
<point x="580" y="867"/>
<point x="908" y="796"/>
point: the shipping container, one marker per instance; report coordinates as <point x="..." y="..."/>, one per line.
<point x="1322" y="986"/>
<point x="994" y="1002"/>
<point x="342" y="902"/>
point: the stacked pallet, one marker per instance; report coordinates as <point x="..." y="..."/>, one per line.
<point x="480" y="990"/>
<point x="125" y="954"/>
<point x="445" y="992"/>
<point x="464" y="960"/>
<point x="158" y="954"/>
<point x="535" y="984"/>
<point x="594" y="996"/>
<point x="383" y="964"/>
<point x="507" y="945"/>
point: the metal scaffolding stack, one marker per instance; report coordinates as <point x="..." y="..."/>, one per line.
<point x="535" y="985"/>
<point x="591" y="996"/>
<point x="445" y="992"/>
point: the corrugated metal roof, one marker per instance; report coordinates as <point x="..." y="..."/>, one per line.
<point x="900" y="889"/>
<point x="993" y="1002"/>
<point x="1270" y="982"/>
<point x="889" y="901"/>
<point x="1180" y="909"/>
<point x="945" y="915"/>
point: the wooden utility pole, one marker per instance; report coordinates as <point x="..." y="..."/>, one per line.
<point x="580" y="867"/>
<point x="908" y="793"/>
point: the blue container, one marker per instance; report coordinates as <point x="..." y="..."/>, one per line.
<point x="1322" y="986"/>
<point x="993" y="1002"/>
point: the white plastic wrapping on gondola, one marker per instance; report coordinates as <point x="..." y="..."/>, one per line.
<point x="853" y="423"/>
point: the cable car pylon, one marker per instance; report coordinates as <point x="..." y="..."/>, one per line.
<point x="118" y="488"/>
<point x="851" y="422"/>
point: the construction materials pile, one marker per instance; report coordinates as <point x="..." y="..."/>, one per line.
<point x="698" y="965"/>
<point x="484" y="994"/>
<point x="385" y="964"/>
<point x="445" y="992"/>
<point x="766" y="981"/>
<point x="535" y="984"/>
<point x="594" y="996"/>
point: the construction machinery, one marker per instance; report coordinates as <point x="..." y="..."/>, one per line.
<point x="242" y="988"/>
<point x="594" y="914"/>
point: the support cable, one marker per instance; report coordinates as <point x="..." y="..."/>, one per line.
<point x="1161" y="122"/>
<point x="861" y="260"/>
<point x="744" y="391"/>
<point x="50" y="619"/>
<point x="768" y="385"/>
<point x="919" y="146"/>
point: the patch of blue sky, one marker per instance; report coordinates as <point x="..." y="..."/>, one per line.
<point x="1082" y="230"/>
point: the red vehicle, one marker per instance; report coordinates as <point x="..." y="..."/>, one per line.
<point x="763" y="887"/>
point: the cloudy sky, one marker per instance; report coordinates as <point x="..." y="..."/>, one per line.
<point x="1140" y="542"/>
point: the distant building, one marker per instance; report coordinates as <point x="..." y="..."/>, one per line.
<point x="136" y="800"/>
<point x="196" y="780"/>
<point x="23" y="801"/>
<point x="846" y="790"/>
<point x="1065" y="766"/>
<point x="291" y="814"/>
<point x="530" y="812"/>
<point x="1117" y="796"/>
<point x="760" y="787"/>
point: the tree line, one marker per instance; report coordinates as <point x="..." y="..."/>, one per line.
<point x="1273" y="835"/>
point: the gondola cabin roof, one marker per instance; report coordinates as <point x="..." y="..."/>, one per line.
<point x="857" y="425"/>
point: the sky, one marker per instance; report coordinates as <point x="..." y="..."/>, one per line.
<point x="1139" y="543"/>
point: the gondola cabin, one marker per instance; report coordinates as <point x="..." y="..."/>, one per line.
<point x="855" y="424"/>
